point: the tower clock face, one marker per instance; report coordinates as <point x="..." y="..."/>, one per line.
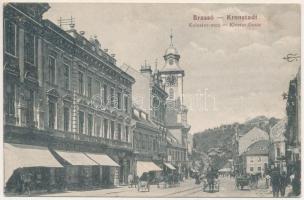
<point x="171" y="80"/>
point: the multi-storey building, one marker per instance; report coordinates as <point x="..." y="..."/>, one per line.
<point x="293" y="128"/>
<point x="65" y="94"/>
<point x="149" y="108"/>
<point x="172" y="75"/>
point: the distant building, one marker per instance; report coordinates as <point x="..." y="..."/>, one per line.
<point x="251" y="137"/>
<point x="278" y="140"/>
<point x="256" y="157"/>
<point x="293" y="128"/>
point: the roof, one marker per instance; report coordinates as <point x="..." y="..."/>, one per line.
<point x="258" y="148"/>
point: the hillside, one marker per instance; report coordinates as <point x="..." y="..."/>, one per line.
<point x="221" y="137"/>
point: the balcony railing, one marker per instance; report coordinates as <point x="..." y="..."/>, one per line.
<point x="9" y="129"/>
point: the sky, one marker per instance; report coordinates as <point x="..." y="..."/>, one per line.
<point x="231" y="73"/>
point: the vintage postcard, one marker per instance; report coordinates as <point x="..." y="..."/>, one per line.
<point x="151" y="99"/>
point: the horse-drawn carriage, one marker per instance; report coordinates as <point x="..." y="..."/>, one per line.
<point x="143" y="186"/>
<point x="211" y="182"/>
<point x="242" y="181"/>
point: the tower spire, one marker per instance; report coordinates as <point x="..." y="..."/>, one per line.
<point x="171" y="38"/>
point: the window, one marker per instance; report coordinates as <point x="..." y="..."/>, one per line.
<point x="118" y="131"/>
<point x="112" y="129"/>
<point x="89" y="87"/>
<point x="171" y="93"/>
<point x="97" y="127"/>
<point x="52" y="115"/>
<point x="259" y="169"/>
<point x="90" y="124"/>
<point x="105" y="94"/>
<point x="119" y="100"/>
<point x="251" y="169"/>
<point x="66" y="118"/>
<point x="29" y="48"/>
<point x="10" y="95"/>
<point x="126" y="104"/>
<point x="80" y="82"/>
<point x="30" y="107"/>
<point x="52" y="69"/>
<point x="98" y="88"/>
<point x="278" y="152"/>
<point x="112" y="96"/>
<point x="81" y="122"/>
<point x="66" y="75"/>
<point x="10" y="37"/>
<point x="127" y="134"/>
<point x="105" y="128"/>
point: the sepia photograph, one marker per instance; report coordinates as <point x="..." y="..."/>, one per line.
<point x="151" y="100"/>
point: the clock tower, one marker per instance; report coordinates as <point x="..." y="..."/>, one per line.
<point x="172" y="76"/>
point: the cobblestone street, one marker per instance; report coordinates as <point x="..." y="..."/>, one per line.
<point x="187" y="189"/>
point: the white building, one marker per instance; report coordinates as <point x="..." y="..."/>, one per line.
<point x="251" y="137"/>
<point x="256" y="157"/>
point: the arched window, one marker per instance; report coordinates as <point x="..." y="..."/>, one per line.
<point x="171" y="93"/>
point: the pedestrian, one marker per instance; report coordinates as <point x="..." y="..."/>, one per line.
<point x="275" y="182"/>
<point x="130" y="180"/>
<point x="283" y="183"/>
<point x="267" y="178"/>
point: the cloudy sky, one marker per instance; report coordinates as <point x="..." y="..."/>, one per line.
<point x="232" y="73"/>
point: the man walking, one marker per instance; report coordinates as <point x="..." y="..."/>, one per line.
<point x="275" y="181"/>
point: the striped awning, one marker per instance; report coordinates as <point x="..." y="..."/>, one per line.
<point x="21" y="155"/>
<point x="146" y="166"/>
<point x="102" y="159"/>
<point x="76" y="158"/>
<point x="170" y="166"/>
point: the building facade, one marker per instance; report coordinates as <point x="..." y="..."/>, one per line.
<point x="256" y="157"/>
<point x="62" y="91"/>
<point x="149" y="109"/>
<point x="172" y="75"/>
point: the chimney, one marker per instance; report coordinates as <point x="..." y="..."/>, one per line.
<point x="146" y="69"/>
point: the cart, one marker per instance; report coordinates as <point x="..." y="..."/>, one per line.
<point x="143" y="186"/>
<point x="212" y="186"/>
<point x="242" y="181"/>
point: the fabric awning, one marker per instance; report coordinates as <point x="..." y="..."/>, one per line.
<point x="102" y="159"/>
<point x="20" y="155"/>
<point x="146" y="166"/>
<point x="76" y="158"/>
<point x="170" y="166"/>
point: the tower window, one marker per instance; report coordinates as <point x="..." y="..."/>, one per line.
<point x="171" y="93"/>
